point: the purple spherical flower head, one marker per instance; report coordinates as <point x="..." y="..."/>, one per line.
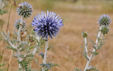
<point x="47" y="25"/>
<point x="24" y="9"/>
<point x="104" y="20"/>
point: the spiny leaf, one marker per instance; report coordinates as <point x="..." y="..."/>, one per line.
<point x="85" y="55"/>
<point x="8" y="47"/>
<point x="77" y="69"/>
<point x="94" y="53"/>
<point x="14" y="41"/>
<point x="92" y="42"/>
<point x="99" y="39"/>
<point x="22" y="56"/>
<point x="2" y="12"/>
<point x="36" y="61"/>
<point x="49" y="48"/>
<point x="94" y="47"/>
<point x="48" y="65"/>
<point x="32" y="47"/>
<point x="23" y="44"/>
<point x="41" y="54"/>
<point x="92" y="69"/>
<point x="30" y="55"/>
<point x="100" y="45"/>
<point x="16" y="32"/>
<point x="82" y="47"/>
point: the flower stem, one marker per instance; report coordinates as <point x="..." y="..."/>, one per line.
<point x="37" y="37"/>
<point x="85" y="40"/>
<point x="45" y="55"/>
<point x="88" y="61"/>
<point x="21" y="22"/>
<point x="19" y="40"/>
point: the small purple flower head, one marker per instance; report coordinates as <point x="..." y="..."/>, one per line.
<point x="104" y="20"/>
<point x="47" y="25"/>
<point x="24" y="9"/>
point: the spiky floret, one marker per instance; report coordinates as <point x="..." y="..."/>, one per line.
<point x="104" y="20"/>
<point x="47" y="25"/>
<point x="24" y="9"/>
<point x="17" y="24"/>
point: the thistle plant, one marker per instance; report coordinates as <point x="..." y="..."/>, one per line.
<point x="103" y="22"/>
<point x="47" y="26"/>
<point x="23" y="45"/>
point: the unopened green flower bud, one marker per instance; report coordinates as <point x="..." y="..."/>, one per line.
<point x="17" y="24"/>
<point x="104" y="30"/>
<point x="84" y="34"/>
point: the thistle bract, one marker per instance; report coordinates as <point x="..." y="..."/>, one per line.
<point x="47" y="25"/>
<point x="24" y="9"/>
<point x="104" y="20"/>
<point x="17" y="24"/>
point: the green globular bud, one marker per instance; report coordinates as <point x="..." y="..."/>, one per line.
<point x="17" y="24"/>
<point x="84" y="34"/>
<point x="104" y="30"/>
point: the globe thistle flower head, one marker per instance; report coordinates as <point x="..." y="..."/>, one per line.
<point x="17" y="24"/>
<point x="104" y="20"/>
<point x="47" y="25"/>
<point x="84" y="34"/>
<point x="104" y="30"/>
<point x="24" y="9"/>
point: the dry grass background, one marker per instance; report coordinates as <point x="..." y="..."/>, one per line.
<point x="78" y="17"/>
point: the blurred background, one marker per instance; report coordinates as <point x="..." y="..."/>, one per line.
<point x="78" y="16"/>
